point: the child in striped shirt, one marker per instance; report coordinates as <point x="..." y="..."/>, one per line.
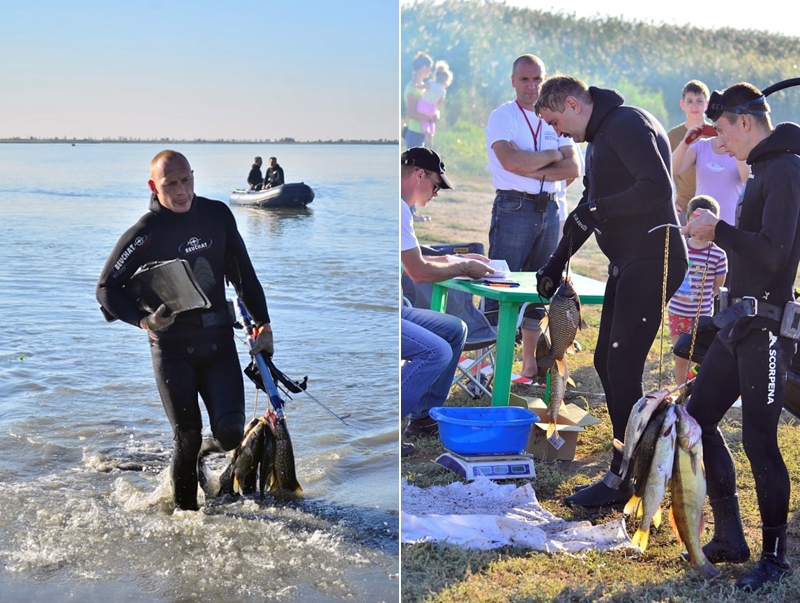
<point x="708" y="265"/>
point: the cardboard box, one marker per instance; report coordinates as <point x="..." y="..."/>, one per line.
<point x="571" y="421"/>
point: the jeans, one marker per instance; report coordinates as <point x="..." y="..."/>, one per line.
<point x="431" y="343"/>
<point x="525" y="239"/>
<point x="414" y="139"/>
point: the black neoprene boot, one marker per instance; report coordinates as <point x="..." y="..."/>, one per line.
<point x="184" y="469"/>
<point x="773" y="564"/>
<point x="728" y="544"/>
<point x="610" y="490"/>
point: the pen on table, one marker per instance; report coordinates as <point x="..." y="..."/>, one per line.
<point x="494" y="284"/>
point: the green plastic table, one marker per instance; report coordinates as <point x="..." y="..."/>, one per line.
<point x="510" y="300"/>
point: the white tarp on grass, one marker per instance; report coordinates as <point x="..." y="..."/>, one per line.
<point x="485" y="515"/>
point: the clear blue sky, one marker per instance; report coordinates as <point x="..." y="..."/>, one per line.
<point x="233" y="69"/>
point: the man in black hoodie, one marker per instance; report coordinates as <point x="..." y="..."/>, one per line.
<point x="254" y="178"/>
<point x="627" y="203"/>
<point x="750" y="355"/>
<point x="194" y="352"/>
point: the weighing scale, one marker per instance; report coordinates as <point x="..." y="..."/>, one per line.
<point x="497" y="467"/>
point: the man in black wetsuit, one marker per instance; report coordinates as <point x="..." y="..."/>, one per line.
<point x="627" y="203"/>
<point x="254" y="178"/>
<point x="194" y="352"/>
<point x="749" y="356"/>
<point x="274" y="175"/>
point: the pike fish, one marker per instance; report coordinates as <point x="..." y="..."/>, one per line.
<point x="688" y="488"/>
<point x="247" y="457"/>
<point x="637" y="422"/>
<point x="284" y="480"/>
<point x="643" y="458"/>
<point x="657" y="480"/>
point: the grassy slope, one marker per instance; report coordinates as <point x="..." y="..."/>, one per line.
<point x="444" y="574"/>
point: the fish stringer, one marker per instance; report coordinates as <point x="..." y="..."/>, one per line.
<point x="699" y="308"/>
<point x="664" y="299"/>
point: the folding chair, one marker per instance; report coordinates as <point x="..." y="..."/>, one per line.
<point x="476" y="368"/>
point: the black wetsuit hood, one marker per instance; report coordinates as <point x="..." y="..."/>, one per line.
<point x="604" y="102"/>
<point x="628" y="177"/>
<point x="785" y="138"/>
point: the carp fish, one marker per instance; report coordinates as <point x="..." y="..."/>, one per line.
<point x="688" y="489"/>
<point x="657" y="479"/>
<point x="558" y="387"/>
<point x="561" y="325"/>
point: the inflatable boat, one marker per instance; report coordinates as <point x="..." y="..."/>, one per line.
<point x="291" y="194"/>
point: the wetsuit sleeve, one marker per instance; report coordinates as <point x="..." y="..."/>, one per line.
<point x="771" y="247"/>
<point x="568" y="246"/>
<point x="125" y="259"/>
<point x="635" y="143"/>
<point x="240" y="273"/>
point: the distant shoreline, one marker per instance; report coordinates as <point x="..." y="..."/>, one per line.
<point x="176" y="141"/>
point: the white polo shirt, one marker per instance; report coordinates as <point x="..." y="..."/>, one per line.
<point x="507" y="122"/>
<point x="408" y="238"/>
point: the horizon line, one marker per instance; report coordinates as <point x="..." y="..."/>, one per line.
<point x="123" y="139"/>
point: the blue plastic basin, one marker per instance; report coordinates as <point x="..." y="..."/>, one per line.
<point x="484" y="431"/>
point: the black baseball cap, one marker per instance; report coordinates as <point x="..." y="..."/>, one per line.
<point x="427" y="160"/>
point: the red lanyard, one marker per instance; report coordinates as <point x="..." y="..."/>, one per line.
<point x="538" y="126"/>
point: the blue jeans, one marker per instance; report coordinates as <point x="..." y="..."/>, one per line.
<point x="431" y="343"/>
<point x="525" y="239"/>
<point x="414" y="139"/>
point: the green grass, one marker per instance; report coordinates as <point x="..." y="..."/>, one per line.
<point x="438" y="573"/>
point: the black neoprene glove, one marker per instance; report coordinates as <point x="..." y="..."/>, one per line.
<point x="583" y="218"/>
<point x="157" y="321"/>
<point x="548" y="277"/>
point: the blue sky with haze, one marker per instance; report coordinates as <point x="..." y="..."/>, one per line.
<point x="307" y="69"/>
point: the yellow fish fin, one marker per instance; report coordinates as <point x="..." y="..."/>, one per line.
<point x="618" y="445"/>
<point x="673" y="522"/>
<point x="631" y="505"/>
<point x="657" y="517"/>
<point x="640" y="539"/>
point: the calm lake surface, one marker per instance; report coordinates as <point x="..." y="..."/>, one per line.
<point x="85" y="509"/>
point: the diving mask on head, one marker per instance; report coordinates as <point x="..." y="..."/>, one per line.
<point x="716" y="106"/>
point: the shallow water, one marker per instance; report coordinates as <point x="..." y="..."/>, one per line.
<point x="84" y="443"/>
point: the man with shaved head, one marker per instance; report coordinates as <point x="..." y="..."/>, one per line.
<point x="194" y="352"/>
<point x="530" y="163"/>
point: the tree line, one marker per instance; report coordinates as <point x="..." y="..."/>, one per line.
<point x="648" y="64"/>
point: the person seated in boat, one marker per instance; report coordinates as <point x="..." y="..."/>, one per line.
<point x="254" y="178"/>
<point x="274" y="176"/>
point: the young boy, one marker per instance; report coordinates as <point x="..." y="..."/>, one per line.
<point x="694" y="100"/>
<point x="708" y="265"/>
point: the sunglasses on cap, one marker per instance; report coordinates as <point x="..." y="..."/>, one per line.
<point x="716" y="106"/>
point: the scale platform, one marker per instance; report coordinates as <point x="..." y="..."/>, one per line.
<point x="509" y="466"/>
